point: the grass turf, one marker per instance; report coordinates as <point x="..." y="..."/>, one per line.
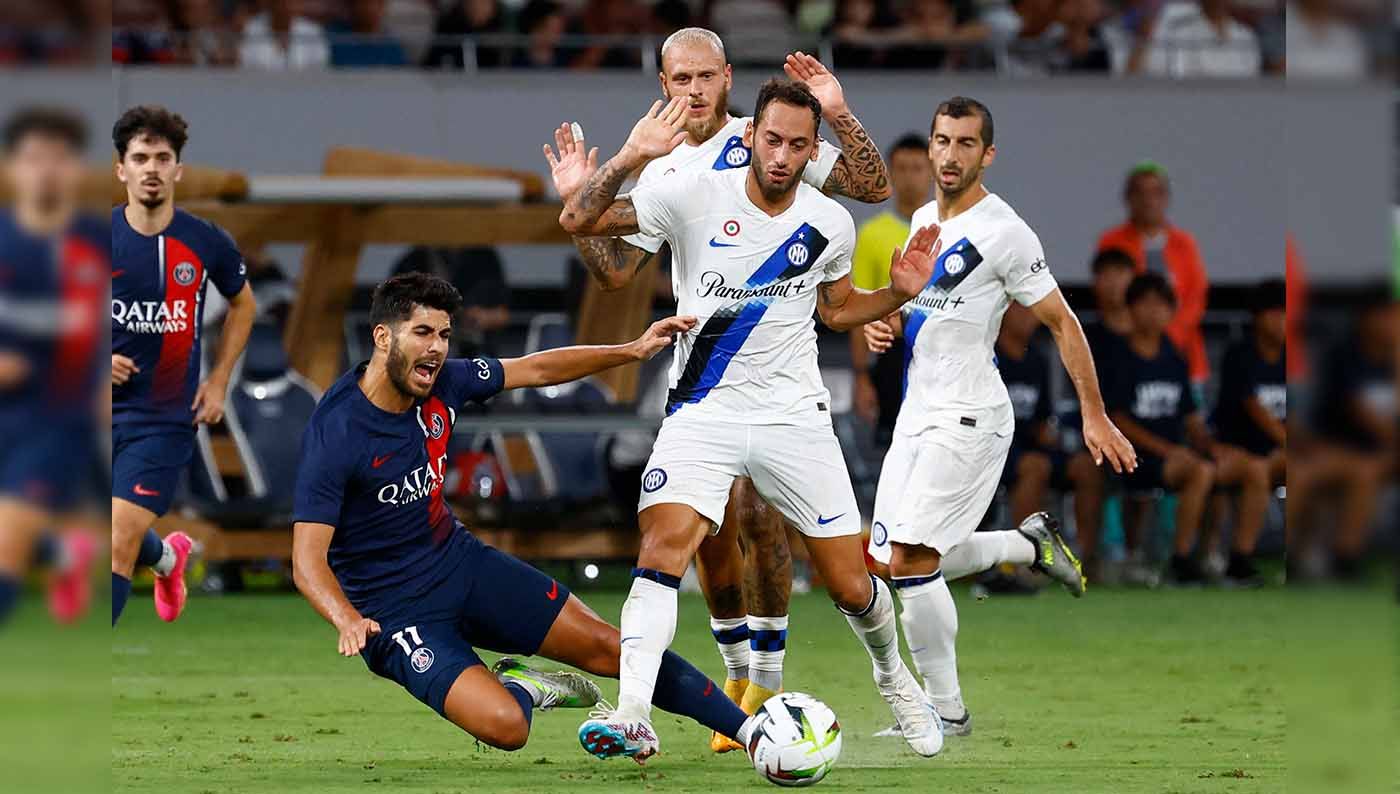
<point x="1122" y="691"/>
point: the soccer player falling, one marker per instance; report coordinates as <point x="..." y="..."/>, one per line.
<point x="956" y="422"/>
<point x="162" y="261"/>
<point x="756" y="253"/>
<point x="747" y="592"/>
<point x="52" y="263"/>
<point x="379" y="554"/>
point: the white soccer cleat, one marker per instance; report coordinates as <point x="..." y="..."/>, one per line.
<point x="918" y="722"/>
<point x="951" y="727"/>
<point x="609" y="734"/>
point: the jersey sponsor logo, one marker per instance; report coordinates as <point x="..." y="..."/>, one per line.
<point x="928" y="301"/>
<point x="712" y="284"/>
<point x="879" y="535"/>
<point x="184" y="274"/>
<point x="152" y="317"/>
<point x="483" y="370"/>
<point x="654" y="480"/>
<point x="418" y="484"/>
<point x="1156" y="399"/>
<point x="422" y="659"/>
<point x="1039" y="265"/>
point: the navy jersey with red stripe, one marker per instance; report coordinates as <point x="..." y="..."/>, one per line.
<point x="51" y="294"/>
<point x="158" y="286"/>
<point x="377" y="477"/>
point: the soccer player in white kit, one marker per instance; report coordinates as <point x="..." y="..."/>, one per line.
<point x="756" y="252"/>
<point x="746" y="591"/>
<point x="955" y="425"/>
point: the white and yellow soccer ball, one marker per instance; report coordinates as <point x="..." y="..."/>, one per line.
<point x="795" y="740"/>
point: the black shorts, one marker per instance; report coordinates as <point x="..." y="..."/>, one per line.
<point x="1059" y="466"/>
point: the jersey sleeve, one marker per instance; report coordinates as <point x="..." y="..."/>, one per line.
<point x="1027" y="277"/>
<point x="658" y="205"/>
<point x="228" y="272"/>
<point x="842" y="246"/>
<point x="817" y="171"/>
<point x="647" y="242"/>
<point x="465" y="380"/>
<point x="322" y="476"/>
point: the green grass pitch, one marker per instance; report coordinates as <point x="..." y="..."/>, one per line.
<point x="1122" y="691"/>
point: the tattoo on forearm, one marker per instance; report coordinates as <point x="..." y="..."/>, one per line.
<point x="602" y="187"/>
<point x="825" y="291"/>
<point x="860" y="172"/>
<point x="611" y="259"/>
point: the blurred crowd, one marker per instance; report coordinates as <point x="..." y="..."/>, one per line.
<point x="1165" y="38"/>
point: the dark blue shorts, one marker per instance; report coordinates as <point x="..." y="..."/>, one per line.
<point x="1149" y="476"/>
<point x="1059" y="466"/>
<point x="147" y="460"/>
<point x="48" y="468"/>
<point x="491" y="601"/>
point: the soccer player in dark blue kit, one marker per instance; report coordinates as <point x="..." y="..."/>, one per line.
<point x="380" y="556"/>
<point x="52" y="271"/>
<point x="162" y="261"/>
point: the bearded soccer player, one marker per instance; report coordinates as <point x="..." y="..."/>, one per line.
<point x="747" y="397"/>
<point x="749" y="623"/>
<point x="163" y="259"/>
<point x="380" y="556"/>
<point x="955" y="426"/>
<point x="52" y="266"/>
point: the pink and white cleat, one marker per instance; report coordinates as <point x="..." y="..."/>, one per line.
<point x="170" y="589"/>
<point x="70" y="588"/>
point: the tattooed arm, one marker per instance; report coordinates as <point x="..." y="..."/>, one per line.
<point x="612" y="261"/>
<point x="859" y="172"/>
<point x="595" y="210"/>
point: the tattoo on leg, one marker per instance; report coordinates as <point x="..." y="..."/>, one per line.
<point x="767" y="563"/>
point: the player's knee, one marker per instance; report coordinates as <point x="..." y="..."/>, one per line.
<point x="1202" y="475"/>
<point x="507" y="730"/>
<point x="851" y="593"/>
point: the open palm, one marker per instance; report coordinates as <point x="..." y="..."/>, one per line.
<point x="574" y="165"/>
<point x="823" y="84"/>
<point x="912" y="268"/>
<point x="660" y="130"/>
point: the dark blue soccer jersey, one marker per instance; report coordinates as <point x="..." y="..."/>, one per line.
<point x="51" y="294"/>
<point x="158" y="286"/>
<point x="1246" y="374"/>
<point x="1028" y="382"/>
<point x="377" y="477"/>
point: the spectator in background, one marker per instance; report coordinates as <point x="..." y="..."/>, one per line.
<point x="609" y="18"/>
<point x="1045" y="36"/>
<point x="1157" y="246"/>
<point x="278" y="39"/>
<point x="859" y="32"/>
<point x="478" y="275"/>
<point x="467" y="18"/>
<point x="141" y="33"/>
<point x="1249" y="421"/>
<point x="1353" y="454"/>
<point x="1319" y="45"/>
<point x="204" y="37"/>
<point x="938" y="33"/>
<point x="1036" y="462"/>
<point x="755" y="32"/>
<point x="1081" y="46"/>
<point x="1195" y="39"/>
<point x="879" y="389"/>
<point x="362" y="42"/>
<point x="1113" y="271"/>
<point x="543" y="21"/>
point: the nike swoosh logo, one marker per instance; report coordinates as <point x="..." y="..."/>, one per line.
<point x="553" y="594"/>
<point x="714" y="244"/>
<point x="625" y="639"/>
<point x="140" y="491"/>
<point x="825" y="521"/>
<point x="118" y="273"/>
<point x="377" y="462"/>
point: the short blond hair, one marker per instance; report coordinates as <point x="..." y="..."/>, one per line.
<point x="692" y="36"/>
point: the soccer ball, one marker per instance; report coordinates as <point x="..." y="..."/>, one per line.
<point x="795" y="741"/>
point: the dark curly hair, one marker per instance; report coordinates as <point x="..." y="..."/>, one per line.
<point x="789" y="92"/>
<point x="394" y="299"/>
<point x="48" y="122"/>
<point x="150" y="121"/>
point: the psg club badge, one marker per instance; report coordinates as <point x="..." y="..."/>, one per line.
<point x="438" y="426"/>
<point x="184" y="274"/>
<point x="421" y="660"/>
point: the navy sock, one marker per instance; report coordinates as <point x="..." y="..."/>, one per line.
<point x="152" y="547"/>
<point x="121" y="588"/>
<point x="46" y="550"/>
<point x="681" y="689"/>
<point x="9" y="596"/>
<point x="527" y="703"/>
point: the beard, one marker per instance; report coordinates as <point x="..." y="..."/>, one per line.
<point x="966" y="180"/>
<point x="398" y="366"/>
<point x="773" y="191"/>
<point x="704" y="129"/>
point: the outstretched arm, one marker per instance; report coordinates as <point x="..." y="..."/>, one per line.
<point x="313" y="577"/>
<point x="564" y="364"/>
<point x="860" y="171"/>
<point x="842" y="306"/>
<point x="1100" y="435"/>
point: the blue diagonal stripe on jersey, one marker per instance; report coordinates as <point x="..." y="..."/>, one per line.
<point x="913" y="321"/>
<point x="725" y="332"/>
<point x="941" y="280"/>
<point x="734" y="154"/>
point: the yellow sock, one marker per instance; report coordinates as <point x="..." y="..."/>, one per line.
<point x="755" y="696"/>
<point x="735" y="690"/>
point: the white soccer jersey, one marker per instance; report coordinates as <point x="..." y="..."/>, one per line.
<point x="752" y="281"/>
<point x="724" y="150"/>
<point x="989" y="256"/>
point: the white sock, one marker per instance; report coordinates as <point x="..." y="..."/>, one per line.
<point x="931" y="626"/>
<point x="732" y="638"/>
<point x="167" y="560"/>
<point x="767" y="647"/>
<point x="875" y="626"/>
<point x="986" y="549"/>
<point x="648" y="626"/>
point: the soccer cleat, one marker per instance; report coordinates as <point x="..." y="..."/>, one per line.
<point x="557" y="689"/>
<point x="918" y="722"/>
<point x="171" y="591"/>
<point x="70" y="589"/>
<point x="609" y="734"/>
<point x="1052" y="555"/>
<point x="958" y="727"/>
<point x="734" y="690"/>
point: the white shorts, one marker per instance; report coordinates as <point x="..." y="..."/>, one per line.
<point x="935" y="488"/>
<point x="796" y="468"/>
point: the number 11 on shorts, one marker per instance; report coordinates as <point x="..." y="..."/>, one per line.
<point x="411" y="631"/>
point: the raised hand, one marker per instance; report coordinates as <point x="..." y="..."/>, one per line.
<point x="575" y="164"/>
<point x="824" y="86"/>
<point x="911" y="269"/>
<point x="660" y="131"/>
<point x="658" y="336"/>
